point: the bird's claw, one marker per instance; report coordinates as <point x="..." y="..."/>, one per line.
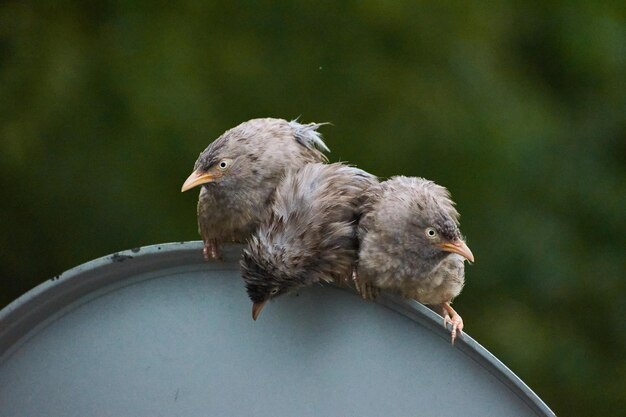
<point x="452" y="317"/>
<point x="211" y="251"/>
<point x="366" y="290"/>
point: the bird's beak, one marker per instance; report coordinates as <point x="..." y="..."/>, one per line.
<point x="458" y="246"/>
<point x="256" y="309"/>
<point x="196" y="178"/>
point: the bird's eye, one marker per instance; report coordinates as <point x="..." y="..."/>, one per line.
<point x="431" y="233"/>
<point x="223" y="165"/>
<point x="274" y="291"/>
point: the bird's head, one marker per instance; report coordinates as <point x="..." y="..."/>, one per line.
<point x="432" y="222"/>
<point x="263" y="281"/>
<point x="254" y="153"/>
<point x="237" y="155"/>
<point x="217" y="163"/>
<point x="440" y="234"/>
<point x="207" y="174"/>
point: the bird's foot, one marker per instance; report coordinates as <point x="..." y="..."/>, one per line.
<point x="211" y="251"/>
<point x="366" y="290"/>
<point x="452" y="317"/>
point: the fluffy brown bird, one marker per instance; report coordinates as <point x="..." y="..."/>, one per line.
<point x="239" y="173"/>
<point x="410" y="244"/>
<point x="310" y="235"/>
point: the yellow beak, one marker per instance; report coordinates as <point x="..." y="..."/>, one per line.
<point x="256" y="309"/>
<point x="196" y="178"/>
<point x="459" y="247"/>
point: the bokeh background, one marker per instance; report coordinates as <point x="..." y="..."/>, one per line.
<point x="518" y="107"/>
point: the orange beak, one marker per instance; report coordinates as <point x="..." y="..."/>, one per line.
<point x="196" y="178"/>
<point x="256" y="309"/>
<point x="459" y="247"/>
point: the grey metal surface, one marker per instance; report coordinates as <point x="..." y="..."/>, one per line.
<point x="156" y="331"/>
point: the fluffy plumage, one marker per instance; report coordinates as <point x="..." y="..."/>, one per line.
<point x="239" y="172"/>
<point x="310" y="235"/>
<point x="410" y="244"/>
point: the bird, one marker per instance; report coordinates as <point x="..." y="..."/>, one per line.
<point x="239" y="172"/>
<point x="310" y="235"/>
<point x="410" y="244"/>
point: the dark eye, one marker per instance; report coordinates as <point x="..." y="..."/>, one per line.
<point x="274" y="291"/>
<point x="431" y="233"/>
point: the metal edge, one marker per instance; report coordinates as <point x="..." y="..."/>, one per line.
<point x="35" y="306"/>
<point x="27" y="311"/>
<point x="470" y="347"/>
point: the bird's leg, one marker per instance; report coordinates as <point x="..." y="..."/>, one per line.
<point x="211" y="250"/>
<point x="355" y="275"/>
<point x="366" y="290"/>
<point x="452" y="317"/>
<point x="371" y="292"/>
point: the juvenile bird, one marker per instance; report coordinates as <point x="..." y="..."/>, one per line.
<point x="310" y="235"/>
<point x="239" y="173"/>
<point x="410" y="244"/>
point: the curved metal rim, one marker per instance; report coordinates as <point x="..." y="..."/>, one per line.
<point x="22" y="315"/>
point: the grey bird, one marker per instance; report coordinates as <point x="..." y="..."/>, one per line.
<point x="310" y="236"/>
<point x="410" y="244"/>
<point x="239" y="172"/>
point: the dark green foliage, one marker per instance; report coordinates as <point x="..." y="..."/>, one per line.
<point x="519" y="109"/>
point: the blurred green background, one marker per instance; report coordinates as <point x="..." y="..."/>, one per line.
<point x="519" y="108"/>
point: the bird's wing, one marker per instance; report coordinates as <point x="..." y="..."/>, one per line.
<point x="315" y="212"/>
